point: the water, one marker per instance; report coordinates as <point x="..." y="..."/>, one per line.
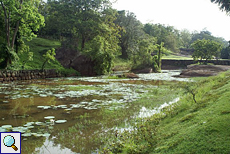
<point x="82" y="110"/>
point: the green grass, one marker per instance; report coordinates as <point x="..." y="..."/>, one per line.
<point x="175" y="57"/>
<point x="39" y="46"/>
<point x="121" y="64"/>
<point x="186" y="127"/>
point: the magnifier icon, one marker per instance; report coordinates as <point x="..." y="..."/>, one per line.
<point x="9" y="141"/>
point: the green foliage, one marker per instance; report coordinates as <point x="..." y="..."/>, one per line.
<point x="167" y="34"/>
<point x="223" y="4"/>
<point x="225" y="53"/>
<point x="82" y="23"/>
<point x="131" y="33"/>
<point x="143" y="57"/>
<point x="38" y="47"/>
<point x="190" y="88"/>
<point x="186" y="38"/>
<point x="67" y="72"/>
<point x="101" y="52"/>
<point x="184" y="127"/>
<point x="21" y="19"/>
<point x="205" y="34"/>
<point x="121" y="64"/>
<point x="49" y="55"/>
<point x="206" y="49"/>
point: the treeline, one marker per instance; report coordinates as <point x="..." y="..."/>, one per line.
<point x="92" y="28"/>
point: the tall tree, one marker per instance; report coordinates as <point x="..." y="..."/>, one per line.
<point x="186" y="38"/>
<point x="21" y="19"/>
<point x="167" y="34"/>
<point x="102" y="48"/>
<point x="131" y="32"/>
<point x="81" y="20"/>
<point x="87" y="27"/>
<point x="223" y="4"/>
<point x="205" y="34"/>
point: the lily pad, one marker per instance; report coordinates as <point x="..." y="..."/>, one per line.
<point x="26" y="134"/>
<point x="46" y="135"/>
<point x="60" y="121"/>
<point x="36" y="134"/>
<point x="40" y="107"/>
<point x="49" y="117"/>
<point x="62" y="106"/>
<point x="2" y="129"/>
<point x="20" y="129"/>
<point x="29" y="127"/>
<point x="7" y="126"/>
<point x="43" y="95"/>
<point x="29" y="124"/>
<point x="39" y="123"/>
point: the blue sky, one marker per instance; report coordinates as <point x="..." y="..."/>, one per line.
<point x="194" y="15"/>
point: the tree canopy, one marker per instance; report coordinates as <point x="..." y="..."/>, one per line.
<point x="21" y="19"/>
<point x="223" y="4"/>
<point x="92" y="28"/>
<point x="206" y="49"/>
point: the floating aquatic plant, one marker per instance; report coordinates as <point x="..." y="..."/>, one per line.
<point x="60" y="121"/>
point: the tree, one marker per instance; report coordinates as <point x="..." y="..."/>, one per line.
<point x="206" y="49"/>
<point x="223" y="4"/>
<point x="167" y="34"/>
<point x="21" y="19"/>
<point x="186" y="38"/>
<point x="160" y="48"/>
<point x="225" y="53"/>
<point x="49" y="55"/>
<point x="143" y="57"/>
<point x="205" y="34"/>
<point x="82" y="21"/>
<point x="149" y="54"/>
<point x="104" y="46"/>
<point x="131" y="32"/>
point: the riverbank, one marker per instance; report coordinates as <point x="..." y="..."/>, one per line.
<point x="184" y="127"/>
<point x="203" y="70"/>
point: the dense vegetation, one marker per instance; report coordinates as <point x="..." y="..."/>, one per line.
<point x="91" y="28"/>
<point x="198" y="123"/>
<point x="187" y="126"/>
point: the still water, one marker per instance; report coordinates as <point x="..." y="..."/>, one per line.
<point x="72" y="115"/>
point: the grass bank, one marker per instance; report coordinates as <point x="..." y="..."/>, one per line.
<point x="185" y="127"/>
<point x="39" y="46"/>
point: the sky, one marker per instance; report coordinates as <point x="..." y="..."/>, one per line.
<point x="194" y="15"/>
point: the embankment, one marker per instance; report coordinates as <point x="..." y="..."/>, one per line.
<point x="170" y="63"/>
<point x="8" y="75"/>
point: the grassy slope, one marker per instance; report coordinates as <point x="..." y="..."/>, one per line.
<point x="199" y="128"/>
<point x="39" y="46"/>
<point x="188" y="127"/>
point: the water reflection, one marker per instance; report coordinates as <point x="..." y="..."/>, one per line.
<point x="92" y="108"/>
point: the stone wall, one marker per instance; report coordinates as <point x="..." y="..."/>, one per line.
<point x="184" y="63"/>
<point x="8" y="75"/>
